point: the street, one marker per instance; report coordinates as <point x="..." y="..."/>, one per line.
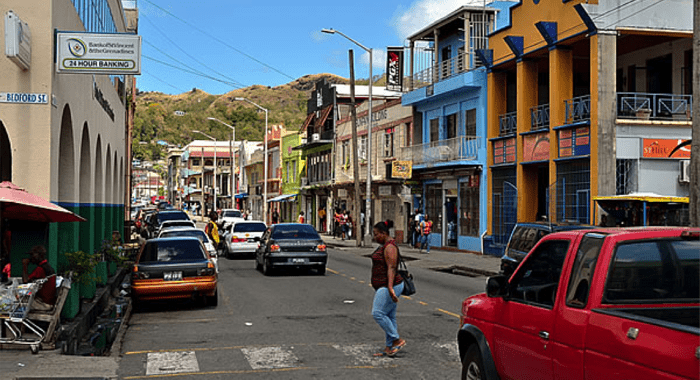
<point x="299" y="325"/>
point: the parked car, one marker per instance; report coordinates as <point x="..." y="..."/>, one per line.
<point x="176" y="223"/>
<point x="193" y="232"/>
<point x="229" y="216"/>
<point x="590" y="304"/>
<point x="174" y="268"/>
<point x="291" y="245"/>
<point x="153" y="221"/>
<point x="525" y="236"/>
<point x="242" y="238"/>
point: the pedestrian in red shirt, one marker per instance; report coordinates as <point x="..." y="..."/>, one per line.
<point x="46" y="296"/>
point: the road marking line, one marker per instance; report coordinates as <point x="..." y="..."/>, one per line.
<point x="423" y="303"/>
<point x="270" y="357"/>
<point x="239" y="372"/>
<point x="353" y="278"/>
<point x="331" y="270"/>
<point x="165" y="363"/>
<point x="451" y="348"/>
<point x="448" y="313"/>
<point x="362" y="355"/>
<point x="361" y="282"/>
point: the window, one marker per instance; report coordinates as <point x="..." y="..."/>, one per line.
<point x="362" y="149"/>
<point x="583" y="269"/>
<point x="470" y="122"/>
<point x="195" y="162"/>
<point x="433" y="207"/>
<point x="294" y="171"/>
<point x="469" y="208"/>
<point x="537" y="279"/>
<point x="451" y="128"/>
<point x="287" y="168"/>
<point x="434" y="130"/>
<point x="389" y="143"/>
<point x="345" y="154"/>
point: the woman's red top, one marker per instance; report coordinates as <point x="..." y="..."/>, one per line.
<point x="380" y="269"/>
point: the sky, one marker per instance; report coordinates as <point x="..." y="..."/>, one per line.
<point x="221" y="45"/>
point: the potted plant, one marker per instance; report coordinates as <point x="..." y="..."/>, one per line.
<point x="113" y="255"/>
<point x="81" y="266"/>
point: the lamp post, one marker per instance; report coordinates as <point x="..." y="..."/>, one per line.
<point x="215" y="166"/>
<point x="368" y="198"/>
<point x="265" y="161"/>
<point x="233" y="156"/>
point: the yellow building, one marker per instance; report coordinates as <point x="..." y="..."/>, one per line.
<point x="577" y="90"/>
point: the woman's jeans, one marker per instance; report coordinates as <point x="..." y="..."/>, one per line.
<point x="384" y="312"/>
<point x="425" y="242"/>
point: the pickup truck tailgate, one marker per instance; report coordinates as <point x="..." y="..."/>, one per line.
<point x="632" y="346"/>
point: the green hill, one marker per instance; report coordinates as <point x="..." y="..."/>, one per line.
<point x="172" y="118"/>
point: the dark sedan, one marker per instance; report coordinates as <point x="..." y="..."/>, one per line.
<point x="291" y="245"/>
<point x="155" y="220"/>
<point x="174" y="268"/>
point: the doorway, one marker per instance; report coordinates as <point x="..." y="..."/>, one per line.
<point x="451" y="215"/>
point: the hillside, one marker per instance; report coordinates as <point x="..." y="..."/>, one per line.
<point x="156" y="118"/>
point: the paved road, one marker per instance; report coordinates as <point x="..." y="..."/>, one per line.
<point x="299" y="326"/>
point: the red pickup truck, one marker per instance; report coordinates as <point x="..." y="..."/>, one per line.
<point x="590" y="304"/>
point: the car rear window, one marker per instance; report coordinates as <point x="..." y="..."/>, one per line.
<point x="303" y="231"/>
<point x="172" y="251"/>
<point x="654" y="271"/>
<point x="163" y="216"/>
<point x="249" y="227"/>
<point x="186" y="233"/>
<point x="231" y="214"/>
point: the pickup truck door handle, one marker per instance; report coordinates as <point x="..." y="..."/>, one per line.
<point x="544" y="335"/>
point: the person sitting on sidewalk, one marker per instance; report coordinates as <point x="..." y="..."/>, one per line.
<point x="425" y="228"/>
<point x="46" y="296"/>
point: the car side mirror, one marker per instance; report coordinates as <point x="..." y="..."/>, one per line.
<point x="497" y="286"/>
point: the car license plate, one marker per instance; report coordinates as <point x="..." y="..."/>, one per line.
<point x="172" y="276"/>
<point x="299" y="261"/>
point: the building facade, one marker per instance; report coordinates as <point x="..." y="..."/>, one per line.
<point x="583" y="99"/>
<point x="292" y="168"/>
<point x="69" y="145"/>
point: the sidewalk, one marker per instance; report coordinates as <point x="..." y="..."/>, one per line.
<point x="461" y="262"/>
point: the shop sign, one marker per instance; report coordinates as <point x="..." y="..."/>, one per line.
<point x="662" y="148"/>
<point x="504" y="151"/>
<point x="394" y="68"/>
<point x="536" y="147"/>
<point x="575" y="142"/>
<point x="450" y="184"/>
<point x="23" y="98"/>
<point x="98" y="53"/>
<point x="401" y="169"/>
<point x="342" y="193"/>
<point x="385" y="191"/>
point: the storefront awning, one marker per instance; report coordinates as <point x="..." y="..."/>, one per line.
<point x="283" y="197"/>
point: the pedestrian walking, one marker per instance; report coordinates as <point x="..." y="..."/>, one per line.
<point x="322" y="218"/>
<point x="417" y="220"/>
<point x="300" y="219"/>
<point x="336" y="224"/>
<point x="275" y="217"/>
<point x="344" y="224"/>
<point x="212" y="229"/>
<point x="388" y="285"/>
<point x="425" y="227"/>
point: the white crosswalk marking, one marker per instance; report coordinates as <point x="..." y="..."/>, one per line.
<point x="270" y="357"/>
<point x="362" y="354"/>
<point x="165" y="363"/>
<point x="451" y="349"/>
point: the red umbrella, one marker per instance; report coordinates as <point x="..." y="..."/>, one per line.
<point x="17" y="203"/>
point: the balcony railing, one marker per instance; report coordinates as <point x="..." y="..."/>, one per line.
<point x="442" y="71"/>
<point x="508" y="123"/>
<point x="455" y="149"/>
<point x="539" y="117"/>
<point x="639" y="105"/>
<point x="578" y="109"/>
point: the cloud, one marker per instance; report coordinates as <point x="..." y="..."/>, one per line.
<point x="424" y="12"/>
<point x="379" y="58"/>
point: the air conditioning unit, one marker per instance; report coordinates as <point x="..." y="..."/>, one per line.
<point x="684" y="175"/>
<point x="315" y="137"/>
<point x="18" y="39"/>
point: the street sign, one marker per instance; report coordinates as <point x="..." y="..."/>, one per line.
<point x="23" y="98"/>
<point x="98" y="53"/>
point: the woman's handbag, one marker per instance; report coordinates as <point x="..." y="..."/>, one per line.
<point x="409" y="288"/>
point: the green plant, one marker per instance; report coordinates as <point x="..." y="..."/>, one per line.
<point x="113" y="253"/>
<point x="81" y="266"/>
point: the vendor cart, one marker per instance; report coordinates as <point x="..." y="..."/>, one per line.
<point x="15" y="302"/>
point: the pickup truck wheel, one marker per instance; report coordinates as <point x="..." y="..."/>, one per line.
<point x="473" y="364"/>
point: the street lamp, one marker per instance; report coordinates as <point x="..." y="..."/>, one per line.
<point x="233" y="158"/>
<point x="215" y="167"/>
<point x="265" y="161"/>
<point x="368" y="200"/>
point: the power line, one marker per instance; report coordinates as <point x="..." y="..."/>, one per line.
<point x="188" y="71"/>
<point x="220" y="41"/>
<point x="186" y="53"/>
<point x="164" y="82"/>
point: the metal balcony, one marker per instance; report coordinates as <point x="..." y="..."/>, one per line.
<point x="639" y="105"/>
<point x="578" y="109"/>
<point x="539" y="118"/>
<point x="463" y="148"/>
<point x="508" y="124"/>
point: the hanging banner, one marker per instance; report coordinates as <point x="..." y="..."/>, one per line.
<point x="98" y="53"/>
<point x="401" y="169"/>
<point x="394" y="68"/>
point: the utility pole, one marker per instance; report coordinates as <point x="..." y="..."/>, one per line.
<point x="355" y="161"/>
<point x="694" y="206"/>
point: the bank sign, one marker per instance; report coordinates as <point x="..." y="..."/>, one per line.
<point x="98" y="53"/>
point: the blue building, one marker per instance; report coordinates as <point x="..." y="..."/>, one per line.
<point x="447" y="90"/>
